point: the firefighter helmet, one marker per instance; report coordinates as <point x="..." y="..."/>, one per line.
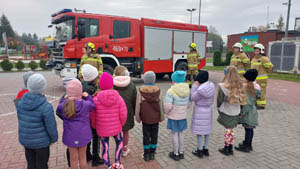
<point x="260" y="47"/>
<point x="90" y="45"/>
<point x="193" y="45"/>
<point x="238" y="45"/>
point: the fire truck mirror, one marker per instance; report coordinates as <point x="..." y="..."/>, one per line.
<point x="111" y="37"/>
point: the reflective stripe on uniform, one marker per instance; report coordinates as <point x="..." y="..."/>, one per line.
<point x="256" y="63"/>
<point x="192" y="65"/>
<point x="236" y="60"/>
<point x="261" y="102"/>
<point x="245" y="60"/>
<point x="242" y="71"/>
<point x="261" y="77"/>
<point x="267" y="65"/>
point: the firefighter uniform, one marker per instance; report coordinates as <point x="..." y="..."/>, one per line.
<point x="193" y="59"/>
<point x="264" y="67"/>
<point x="93" y="59"/>
<point x="240" y="60"/>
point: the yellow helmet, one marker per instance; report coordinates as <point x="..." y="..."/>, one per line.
<point x="193" y="45"/>
<point x="238" y="45"/>
<point x="261" y="47"/>
<point x="90" y="45"/>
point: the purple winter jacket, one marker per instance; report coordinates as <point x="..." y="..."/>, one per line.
<point x="203" y="96"/>
<point x="77" y="130"/>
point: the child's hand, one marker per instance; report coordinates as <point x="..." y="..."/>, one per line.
<point x="66" y="96"/>
<point x="85" y="94"/>
<point x="139" y="121"/>
<point x="196" y="83"/>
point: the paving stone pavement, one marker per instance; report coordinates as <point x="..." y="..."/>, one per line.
<point x="276" y="140"/>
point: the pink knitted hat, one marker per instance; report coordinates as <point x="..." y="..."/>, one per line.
<point x="74" y="90"/>
<point x="106" y="81"/>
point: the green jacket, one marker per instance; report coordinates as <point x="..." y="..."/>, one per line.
<point x="93" y="59"/>
<point x="249" y="113"/>
<point x="128" y="92"/>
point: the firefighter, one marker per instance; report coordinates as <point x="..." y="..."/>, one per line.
<point x="92" y="58"/>
<point x="193" y="59"/>
<point x="262" y="64"/>
<point x="239" y="59"/>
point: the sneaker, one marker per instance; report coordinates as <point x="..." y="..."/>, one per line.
<point x="117" y="166"/>
<point x="97" y="161"/>
<point x="174" y="156"/>
<point x="205" y="151"/>
<point x="181" y="156"/>
<point x="198" y="153"/>
<point x="152" y="156"/>
<point x="146" y="156"/>
<point x="125" y="153"/>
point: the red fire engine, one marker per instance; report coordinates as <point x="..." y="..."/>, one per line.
<point x="139" y="44"/>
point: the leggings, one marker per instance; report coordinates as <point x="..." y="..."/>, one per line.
<point x="206" y="141"/>
<point x="229" y="136"/>
<point x="105" y="149"/>
<point x="249" y="133"/>
<point x="178" y="142"/>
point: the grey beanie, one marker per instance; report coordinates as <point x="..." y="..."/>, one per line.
<point x="149" y="78"/>
<point x="26" y="77"/>
<point x="36" y="84"/>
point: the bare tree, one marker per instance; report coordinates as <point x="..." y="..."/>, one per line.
<point x="212" y="30"/>
<point x="280" y="23"/>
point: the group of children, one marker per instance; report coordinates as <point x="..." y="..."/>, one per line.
<point x="99" y="108"/>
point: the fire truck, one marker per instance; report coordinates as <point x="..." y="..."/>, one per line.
<point x="139" y="44"/>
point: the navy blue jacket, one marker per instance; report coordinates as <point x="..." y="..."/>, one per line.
<point x="37" y="125"/>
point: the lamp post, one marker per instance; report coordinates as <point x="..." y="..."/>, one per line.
<point x="287" y="18"/>
<point x="199" y="11"/>
<point x="191" y="10"/>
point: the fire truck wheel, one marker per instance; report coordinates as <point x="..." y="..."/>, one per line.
<point x="159" y="75"/>
<point x="181" y="66"/>
<point x="109" y="69"/>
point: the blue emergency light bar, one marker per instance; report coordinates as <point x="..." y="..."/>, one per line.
<point x="60" y="12"/>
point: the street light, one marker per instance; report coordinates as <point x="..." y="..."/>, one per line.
<point x="191" y="10"/>
<point x="199" y="12"/>
<point x="287" y="18"/>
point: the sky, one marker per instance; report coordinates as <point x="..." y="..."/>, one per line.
<point x="227" y="16"/>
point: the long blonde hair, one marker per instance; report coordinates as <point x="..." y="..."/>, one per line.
<point x="70" y="109"/>
<point x="233" y="83"/>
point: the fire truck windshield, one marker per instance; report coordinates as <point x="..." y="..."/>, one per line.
<point x="64" y="30"/>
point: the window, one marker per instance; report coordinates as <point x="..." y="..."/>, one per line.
<point x="91" y="26"/>
<point x="121" y="29"/>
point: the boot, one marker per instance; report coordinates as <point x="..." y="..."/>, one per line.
<point x="251" y="148"/>
<point x="205" y="151"/>
<point x="230" y="149"/>
<point x="152" y="154"/>
<point x="96" y="160"/>
<point x="146" y="155"/>
<point x="260" y="107"/>
<point x="198" y="153"/>
<point x="181" y="156"/>
<point x="174" y="156"/>
<point x="224" y="150"/>
<point x="242" y="148"/>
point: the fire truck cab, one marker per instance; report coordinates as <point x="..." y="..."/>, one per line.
<point x="139" y="44"/>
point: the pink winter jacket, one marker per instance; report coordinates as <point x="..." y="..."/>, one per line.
<point x="110" y="114"/>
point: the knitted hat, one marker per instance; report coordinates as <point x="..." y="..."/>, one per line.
<point x="26" y="77"/>
<point x="251" y="75"/>
<point x="202" y="76"/>
<point x="89" y="72"/>
<point x="36" y="84"/>
<point x="178" y="76"/>
<point x="106" y="81"/>
<point x="149" y="78"/>
<point x="74" y="89"/>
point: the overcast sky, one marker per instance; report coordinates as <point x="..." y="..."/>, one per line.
<point x="228" y="16"/>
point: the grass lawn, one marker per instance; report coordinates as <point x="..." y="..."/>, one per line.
<point x="209" y="60"/>
<point x="217" y="68"/>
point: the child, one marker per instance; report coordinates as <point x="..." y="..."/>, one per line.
<point x="249" y="116"/>
<point x="108" y="119"/>
<point x="203" y="92"/>
<point x="75" y="109"/>
<point x="90" y="85"/>
<point x="176" y="104"/>
<point x="127" y="91"/>
<point x="149" y="110"/>
<point x="37" y="125"/>
<point x="24" y="90"/>
<point x="231" y="96"/>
